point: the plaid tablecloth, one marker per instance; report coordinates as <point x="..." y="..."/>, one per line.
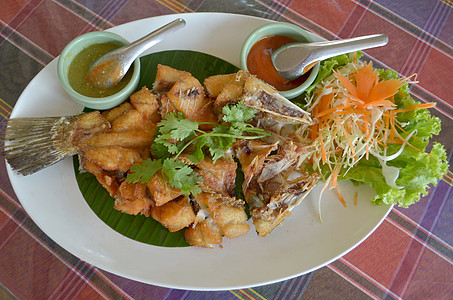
<point x="409" y="256"/>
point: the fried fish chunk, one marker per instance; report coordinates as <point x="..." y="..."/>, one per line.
<point x="161" y="191"/>
<point x="227" y="212"/>
<point x="174" y="215"/>
<point x="132" y="199"/>
<point x="218" y="177"/>
<point x="226" y="89"/>
<point x="181" y="92"/>
<point x="204" y="234"/>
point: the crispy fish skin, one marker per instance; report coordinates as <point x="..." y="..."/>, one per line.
<point x="205" y="234"/>
<point x="133" y="199"/>
<point x="174" y="215"/>
<point x="161" y="191"/>
<point x="217" y="216"/>
<point x="218" y="177"/>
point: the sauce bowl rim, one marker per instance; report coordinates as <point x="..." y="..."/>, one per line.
<point x="80" y="43"/>
<point x="280" y="28"/>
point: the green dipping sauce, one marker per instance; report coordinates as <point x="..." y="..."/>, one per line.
<point x="80" y="65"/>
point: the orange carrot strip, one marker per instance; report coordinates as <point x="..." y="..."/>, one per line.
<point x="329" y="111"/>
<point x="346" y="83"/>
<point x="385" y="89"/>
<point x="323" y="150"/>
<point x="325" y="101"/>
<point x="314" y="131"/>
<point x="379" y="142"/>
<point x="386" y="103"/>
<point x="389" y="115"/>
<point x="392" y="128"/>
<point x="353" y="111"/>
<point x="416" y="106"/>
<point x="355" y="199"/>
<point x="340" y="195"/>
<point x="346" y="135"/>
<point x="401" y="128"/>
<point x="367" y="131"/>
<point x="334" y="175"/>
<point x="367" y="155"/>
<point x="365" y="78"/>
<point x="386" y="126"/>
<point x="360" y="125"/>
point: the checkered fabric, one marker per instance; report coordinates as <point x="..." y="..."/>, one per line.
<point x="409" y="256"/>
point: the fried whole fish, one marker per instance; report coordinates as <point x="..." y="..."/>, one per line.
<point x="109" y="143"/>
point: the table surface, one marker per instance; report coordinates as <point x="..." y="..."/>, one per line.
<point x="410" y="255"/>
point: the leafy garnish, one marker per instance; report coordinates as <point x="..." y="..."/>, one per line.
<point x="177" y="135"/>
<point x="181" y="176"/>
<point x="144" y="172"/>
<point x="371" y="130"/>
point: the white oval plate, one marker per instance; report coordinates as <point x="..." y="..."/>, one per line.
<point x="302" y="244"/>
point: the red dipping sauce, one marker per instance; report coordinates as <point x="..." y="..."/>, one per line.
<point x="259" y="63"/>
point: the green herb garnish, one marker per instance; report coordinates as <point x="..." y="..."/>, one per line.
<point x="177" y="134"/>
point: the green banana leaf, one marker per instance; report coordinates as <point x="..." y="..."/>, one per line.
<point x="141" y="228"/>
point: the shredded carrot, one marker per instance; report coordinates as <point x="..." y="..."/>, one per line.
<point x="379" y="142"/>
<point x="334" y="175"/>
<point x="346" y="135"/>
<point x="340" y="195"/>
<point x="353" y="111"/>
<point x="329" y="111"/>
<point x="360" y="125"/>
<point x="389" y="115"/>
<point x="395" y="141"/>
<point x="416" y="106"/>
<point x="314" y="131"/>
<point x="323" y="151"/>
<point x="367" y="155"/>
<point x="386" y="103"/>
<point x="401" y="128"/>
<point x="350" y="115"/>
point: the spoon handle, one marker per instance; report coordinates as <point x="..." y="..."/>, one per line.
<point x="294" y="59"/>
<point x="323" y="50"/>
<point x="134" y="49"/>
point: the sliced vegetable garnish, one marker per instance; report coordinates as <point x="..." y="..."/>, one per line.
<point x="362" y="124"/>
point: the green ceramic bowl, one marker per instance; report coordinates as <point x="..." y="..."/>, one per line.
<point x="286" y="29"/>
<point x="77" y="45"/>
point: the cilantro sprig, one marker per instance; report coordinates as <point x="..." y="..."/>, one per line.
<point x="177" y="134"/>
